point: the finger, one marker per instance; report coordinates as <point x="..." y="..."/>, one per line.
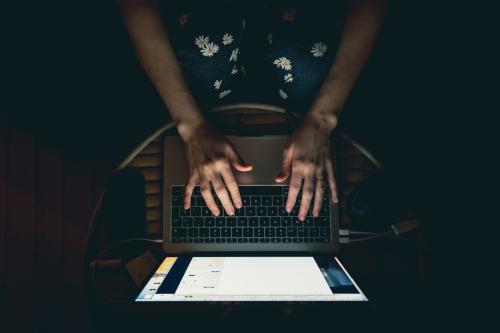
<point x="294" y="188"/>
<point x="318" y="197"/>
<point x="206" y="193"/>
<point x="285" y="167"/>
<point x="307" y="193"/>
<point x="188" y="191"/>
<point x="220" y="190"/>
<point x="231" y="185"/>
<point x="331" y="180"/>
<point x="236" y="161"/>
<point x="318" y="194"/>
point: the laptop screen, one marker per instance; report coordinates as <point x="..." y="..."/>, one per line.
<point x="187" y="278"/>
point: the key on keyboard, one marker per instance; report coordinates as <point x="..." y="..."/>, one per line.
<point x="262" y="219"/>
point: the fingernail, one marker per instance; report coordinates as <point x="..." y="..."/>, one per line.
<point x="238" y="204"/>
<point x="231" y="212"/>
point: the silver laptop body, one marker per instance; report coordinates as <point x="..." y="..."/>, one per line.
<point x="265" y="154"/>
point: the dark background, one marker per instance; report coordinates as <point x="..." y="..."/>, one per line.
<point x="73" y="74"/>
<point x="76" y="101"/>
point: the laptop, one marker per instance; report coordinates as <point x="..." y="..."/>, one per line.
<point x="262" y="253"/>
<point x="262" y="225"/>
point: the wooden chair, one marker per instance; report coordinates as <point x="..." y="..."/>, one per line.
<point x="352" y="161"/>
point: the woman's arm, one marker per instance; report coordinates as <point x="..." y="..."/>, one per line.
<point x="209" y="154"/>
<point x="364" y="18"/>
<point x="152" y="45"/>
<point x="307" y="155"/>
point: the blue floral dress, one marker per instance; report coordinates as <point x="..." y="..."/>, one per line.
<point x="275" y="52"/>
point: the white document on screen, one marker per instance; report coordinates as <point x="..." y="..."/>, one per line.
<point x="293" y="276"/>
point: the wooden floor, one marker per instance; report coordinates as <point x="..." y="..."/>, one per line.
<point x="46" y="201"/>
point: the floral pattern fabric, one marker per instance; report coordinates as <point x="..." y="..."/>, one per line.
<point x="210" y="46"/>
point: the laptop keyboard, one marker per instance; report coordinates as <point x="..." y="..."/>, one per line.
<point x="262" y="219"/>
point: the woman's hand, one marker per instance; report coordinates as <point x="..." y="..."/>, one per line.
<point x="210" y="157"/>
<point x="307" y="156"/>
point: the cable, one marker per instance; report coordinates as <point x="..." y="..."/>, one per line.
<point x="370" y="237"/>
<point x="344" y="232"/>
<point x="353" y="232"/>
<point x="394" y="231"/>
<point x="345" y="235"/>
<point x="423" y="245"/>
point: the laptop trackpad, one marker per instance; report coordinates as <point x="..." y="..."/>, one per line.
<point x="264" y="153"/>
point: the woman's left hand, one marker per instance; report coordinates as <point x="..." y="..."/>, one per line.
<point x="307" y="157"/>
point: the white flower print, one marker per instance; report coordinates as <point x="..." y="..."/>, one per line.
<point x="289" y="15"/>
<point x="201" y="41"/>
<point x="243" y="70"/>
<point x="270" y="38"/>
<point x="217" y="84"/>
<point x="284" y="63"/>
<point x="227" y="39"/>
<point x="243" y="24"/>
<point x="234" y="55"/>
<point x="183" y="19"/>
<point x="224" y="94"/>
<point x="288" y="77"/>
<point x="209" y="49"/>
<point x="318" y="49"/>
<point x="283" y="94"/>
<point x="234" y="70"/>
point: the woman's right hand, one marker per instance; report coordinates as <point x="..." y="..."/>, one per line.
<point x="210" y="157"/>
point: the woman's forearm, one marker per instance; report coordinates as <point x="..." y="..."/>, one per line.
<point x="363" y="22"/>
<point x="152" y="45"/>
